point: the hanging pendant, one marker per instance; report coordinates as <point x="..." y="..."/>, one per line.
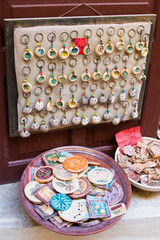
<point x="136" y="69"/>
<point x="26" y="86"/>
<point x="115" y="73"/>
<point x="72" y="103"/>
<point x="54" y="121"/>
<point x="116" y="120"/>
<point x="144" y="51"/>
<point x="142" y="78"/>
<point x="139" y="45"/>
<point x="124" y="117"/>
<point x="134" y="114"/>
<point x="27" y="109"/>
<point x="95" y="118"/>
<point x="84" y="120"/>
<point x="27" y="55"/>
<point x="84" y="99"/>
<point x="87" y="50"/>
<point x="35" y="125"/>
<point x="39" y="51"/>
<point x="41" y="78"/>
<point x="74" y="50"/>
<point x="96" y="75"/>
<point x="106" y="76"/>
<point x="100" y="49"/>
<point x="73" y="76"/>
<point x="62" y="78"/>
<point x="107" y="115"/>
<point x="122" y="96"/>
<point x="120" y="46"/>
<point x="49" y="105"/>
<point x="63" y="53"/>
<point x="39" y="105"/>
<point x="25" y="133"/>
<point x="93" y="100"/>
<point x="109" y="47"/>
<point x="44" y="127"/>
<point x="52" y="53"/>
<point x="65" y="120"/>
<point x="132" y="92"/>
<point x="85" y="76"/>
<point x="125" y="72"/>
<point x="60" y="104"/>
<point x="130" y="48"/>
<point x="76" y="119"/>
<point x="112" y="98"/>
<point x="103" y="98"/>
<point x="52" y="81"/>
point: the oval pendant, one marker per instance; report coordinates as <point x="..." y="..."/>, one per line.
<point x="84" y="120"/>
<point x="106" y="76"/>
<point x="60" y="104"/>
<point x="96" y="75"/>
<point x="142" y="78"/>
<point x="129" y="49"/>
<point x="62" y="78"/>
<point x="76" y="120"/>
<point x="72" y="103"/>
<point x="65" y="121"/>
<point x="52" y="81"/>
<point x="52" y="53"/>
<point x="132" y="92"/>
<point x="116" y="120"/>
<point x="109" y="48"/>
<point x="124" y="73"/>
<point x="103" y="98"/>
<point x="85" y="76"/>
<point x="87" y="50"/>
<point x="136" y="69"/>
<point x="41" y="78"/>
<point x="120" y="46"/>
<point x="84" y="100"/>
<point x="39" y="105"/>
<point x="73" y="77"/>
<point x="54" y="121"/>
<point x="26" y="87"/>
<point x="93" y="101"/>
<point x="100" y="49"/>
<point x="63" y="53"/>
<point x="74" y="50"/>
<point x="115" y="73"/>
<point x="96" y="119"/>
<point x="27" y="55"/>
<point x="107" y="115"/>
<point x="49" y="106"/>
<point x="134" y="114"/>
<point x="35" y="125"/>
<point x="27" y="110"/>
<point x="39" y="51"/>
<point x="144" y="52"/>
<point x="139" y="46"/>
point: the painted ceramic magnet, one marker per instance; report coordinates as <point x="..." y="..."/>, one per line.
<point x="54" y="121"/>
<point x="107" y="115"/>
<point x="98" y="209"/>
<point x="116" y="120"/>
<point x="100" y="176"/>
<point x="61" y="202"/>
<point x="35" y="125"/>
<point x="115" y="195"/>
<point x="63" y="52"/>
<point x="83" y="189"/>
<point x="44" y="127"/>
<point x="109" y="47"/>
<point x="59" y="222"/>
<point x="76" y="120"/>
<point x="132" y="92"/>
<point x="75" y="164"/>
<point x="85" y="120"/>
<point x="29" y="190"/>
<point x="136" y="69"/>
<point x="103" y="98"/>
<point x="60" y="172"/>
<point x="96" y="75"/>
<point x="63" y="155"/>
<point x="95" y="118"/>
<point x="93" y="100"/>
<point x="44" y="174"/>
<point x="45" y="211"/>
<point x="65" y="187"/>
<point x="26" y="86"/>
<point x="115" y="73"/>
<point x="117" y="210"/>
<point x="31" y="171"/>
<point x="45" y="194"/>
<point x="39" y="105"/>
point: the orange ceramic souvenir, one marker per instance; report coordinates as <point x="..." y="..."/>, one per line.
<point x="75" y="164"/>
<point x="44" y="174"/>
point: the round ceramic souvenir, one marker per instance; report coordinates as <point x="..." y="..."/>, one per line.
<point x="139" y="45"/>
<point x="122" y="96"/>
<point x="27" y="55"/>
<point x="83" y="189"/>
<point x="76" y="120"/>
<point x="61" y="202"/>
<point x="144" y="52"/>
<point x="120" y="45"/>
<point x="93" y="100"/>
<point x="109" y="47"/>
<point x="96" y="119"/>
<point x="75" y="164"/>
<point x="54" y="121"/>
<point x="100" y="49"/>
<point x="35" y="125"/>
<point x="74" y="50"/>
<point x="85" y="76"/>
<point x="115" y="73"/>
<point x="41" y="78"/>
<point x="134" y="114"/>
<point x="136" y="69"/>
<point x="100" y="176"/>
<point x="39" y="51"/>
<point x="62" y="78"/>
<point x="52" y="81"/>
<point x="44" y="174"/>
<point x="60" y="103"/>
<point x="27" y="109"/>
<point x="130" y="48"/>
<point x="65" y="121"/>
<point x="112" y="98"/>
<point x="87" y="50"/>
<point x="73" y="76"/>
<point x="85" y="120"/>
<point x="26" y="86"/>
<point x="75" y="213"/>
<point x="84" y="100"/>
<point x="65" y="187"/>
<point x="132" y="92"/>
<point x="106" y="76"/>
<point x="96" y="75"/>
<point x="115" y="195"/>
<point x="29" y="190"/>
<point x="44" y="127"/>
<point x="142" y="78"/>
<point x="24" y="133"/>
<point x="124" y="73"/>
<point x="72" y="103"/>
<point x="103" y="98"/>
<point x="63" y="53"/>
<point x="52" y="53"/>
<point x="62" y="174"/>
<point x="39" y="105"/>
<point x="116" y="120"/>
<point x="107" y="115"/>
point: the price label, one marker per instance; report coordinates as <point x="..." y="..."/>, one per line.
<point x="80" y="43"/>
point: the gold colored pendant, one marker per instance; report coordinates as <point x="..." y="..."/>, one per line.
<point x="39" y="51"/>
<point x="115" y="73"/>
<point x="41" y="78"/>
<point x="96" y="75"/>
<point x="62" y="78"/>
<point x="52" y="53"/>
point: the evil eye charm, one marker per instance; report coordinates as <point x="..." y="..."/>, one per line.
<point x="52" y="53"/>
<point x="116" y="120"/>
<point x="27" y="55"/>
<point x="96" y="119"/>
<point x="44" y="127"/>
<point x="84" y="100"/>
<point x="134" y="114"/>
<point x="84" y="120"/>
<point x="96" y="75"/>
<point x="39" y="105"/>
<point x="76" y="120"/>
<point x="106" y="76"/>
<point x="107" y="116"/>
<point x="103" y="98"/>
<point x="39" y="51"/>
<point x="65" y="121"/>
<point x="54" y="121"/>
<point x="93" y="100"/>
<point x="132" y="92"/>
<point x="35" y="125"/>
<point x="112" y="98"/>
<point x="122" y="96"/>
<point x="24" y="133"/>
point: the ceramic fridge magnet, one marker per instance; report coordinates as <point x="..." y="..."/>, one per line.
<point x="60" y="103"/>
<point x="98" y="209"/>
<point x="106" y="75"/>
<point x="130" y="47"/>
<point x="115" y="195"/>
<point x="39" y="51"/>
<point x="65" y="187"/>
<point x="50" y="158"/>
<point x="140" y="43"/>
<point x="31" y="171"/>
<point x="61" y="202"/>
<point x="26" y="86"/>
<point x="61" y="173"/>
<point x="83" y="189"/>
<point x="120" y="44"/>
<point x="62" y="78"/>
<point x="97" y="74"/>
<point x="52" y="52"/>
<point x="46" y="212"/>
<point x="58" y="221"/>
<point x="87" y="49"/>
<point x="27" y="55"/>
<point x="52" y="82"/>
<point x="85" y="76"/>
<point x="63" y="155"/>
<point x="63" y="52"/>
<point x="73" y="50"/>
<point x="72" y="103"/>
<point x="29" y="191"/>
<point x="125" y="72"/>
<point x="100" y="176"/>
<point x="109" y="48"/>
<point x="117" y="210"/>
<point x="75" y="164"/>
<point x="73" y="76"/>
<point x="100" y="48"/>
<point x="44" y="193"/>
<point x="145" y="50"/>
<point x="44" y="174"/>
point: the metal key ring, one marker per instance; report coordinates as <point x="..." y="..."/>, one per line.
<point x="43" y="113"/>
<point x="86" y="60"/>
<point x="88" y="35"/>
<point x="84" y="107"/>
<point x="73" y="88"/>
<point x="131" y="33"/>
<point x="111" y="31"/>
<point x="97" y="60"/>
<point x="72" y="62"/>
<point x="112" y="84"/>
<point x="134" y="102"/>
<point x="145" y="36"/>
<point x="140" y="29"/>
<point x="63" y="63"/>
<point x="64" y="36"/>
<point x="93" y="87"/>
<point x="24" y="39"/>
<point x="38" y="37"/>
<point x="23" y="120"/>
<point x="106" y="61"/>
<point x="95" y="107"/>
<point x="54" y="109"/>
<point x="26" y="70"/>
<point x="84" y="85"/>
<point x="26" y="95"/>
<point x="52" y="66"/>
<point x="48" y="90"/>
<point x="123" y="83"/>
<point x="37" y="91"/>
<point x="60" y="86"/>
<point x="74" y="32"/>
<point x="120" y="32"/>
<point x="125" y="58"/>
<point x="100" y="32"/>
<point x="65" y="108"/>
<point x="116" y="58"/>
<point x="117" y="105"/>
<point x="125" y="104"/>
<point x="51" y="37"/>
<point x="134" y="80"/>
<point x="40" y="63"/>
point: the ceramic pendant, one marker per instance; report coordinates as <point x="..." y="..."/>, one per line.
<point x="52" y="53"/>
<point x="84" y="120"/>
<point x="27" y="109"/>
<point x="120" y="45"/>
<point x="73" y="76"/>
<point x="103" y="98"/>
<point x="109" y="47"/>
<point x="115" y="73"/>
<point x="116" y="120"/>
<point x="139" y="45"/>
<point x="142" y="78"/>
<point x="49" y="105"/>
<point x="132" y="92"/>
<point x="87" y="49"/>
<point x="96" y="75"/>
<point x="100" y="49"/>
<point x="35" y="125"/>
<point x="93" y="100"/>
<point x="60" y="104"/>
<point x="24" y="133"/>
<point x="39" y="105"/>
<point x="84" y="99"/>
<point x="26" y="86"/>
<point x="54" y="121"/>
<point x="124" y="72"/>
<point x="85" y="76"/>
<point x="74" y="50"/>
<point x="106" y="76"/>
<point x="76" y="119"/>
<point x="27" y="55"/>
<point x="144" y="51"/>
<point x="65" y="121"/>
<point x="62" y="78"/>
<point x="134" y="114"/>
<point x="136" y="69"/>
<point x="39" y="51"/>
<point x="107" y="116"/>
<point x="64" y="53"/>
<point x="124" y="117"/>
<point x="130" y="48"/>
<point x="122" y="96"/>
<point x="44" y="127"/>
<point x="112" y="98"/>
<point x="72" y="103"/>
<point x="41" y="78"/>
<point x="96" y="119"/>
<point x="52" y="81"/>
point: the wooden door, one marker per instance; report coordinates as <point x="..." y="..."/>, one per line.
<point x="15" y="153"/>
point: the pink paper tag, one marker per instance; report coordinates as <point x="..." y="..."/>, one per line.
<point x="81" y="43"/>
<point x="128" y="137"/>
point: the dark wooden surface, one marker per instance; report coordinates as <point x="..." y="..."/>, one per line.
<point x="93" y="156"/>
<point x="15" y="153"/>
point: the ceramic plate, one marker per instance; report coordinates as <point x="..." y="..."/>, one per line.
<point x="93" y="156"/>
<point x="139" y="185"/>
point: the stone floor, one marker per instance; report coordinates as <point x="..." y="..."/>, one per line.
<point x="142" y="220"/>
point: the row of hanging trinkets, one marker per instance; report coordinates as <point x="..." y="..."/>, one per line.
<point x="141" y="46"/>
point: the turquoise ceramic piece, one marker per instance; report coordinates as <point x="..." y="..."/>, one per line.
<point x="61" y="202"/>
